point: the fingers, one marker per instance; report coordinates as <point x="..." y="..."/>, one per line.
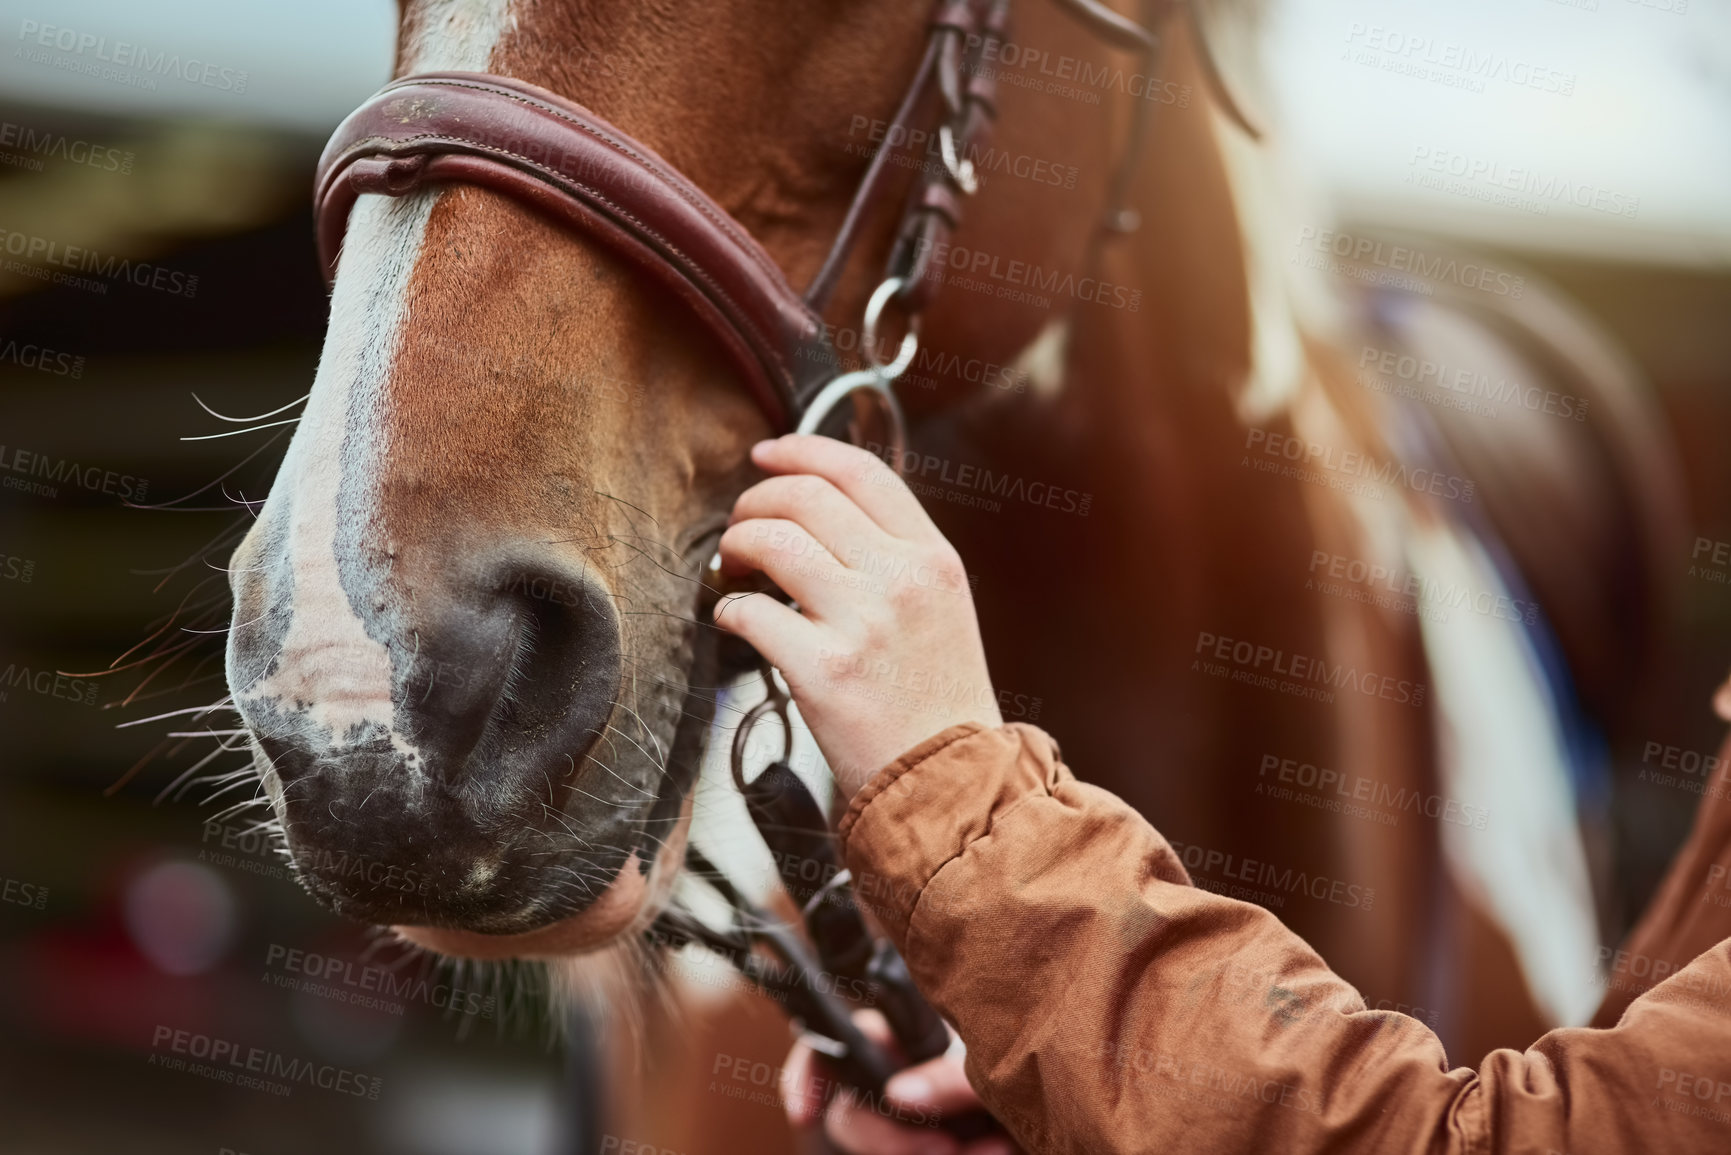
<point x="939" y="1088"/>
<point x="905" y="1122"/>
<point x="872" y="485"/>
<point x="819" y="507"/>
<point x="805" y="1081"/>
<point x="788" y="555"/>
<point x="859" y="1130"/>
<point x="801" y="1087"/>
<point x="938" y="1084"/>
<point x="786" y="639"/>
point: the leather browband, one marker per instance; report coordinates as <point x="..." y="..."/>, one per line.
<point x="535" y="146"/>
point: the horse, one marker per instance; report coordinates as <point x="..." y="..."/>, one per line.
<point x="466" y="644"/>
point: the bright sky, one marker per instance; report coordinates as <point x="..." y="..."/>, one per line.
<point x="308" y="62"/>
<point x="1645" y="126"/>
<point x="1590" y="124"/>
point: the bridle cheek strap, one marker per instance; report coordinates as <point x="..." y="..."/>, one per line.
<point x="541" y="149"/>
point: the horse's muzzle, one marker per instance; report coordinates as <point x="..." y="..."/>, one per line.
<point x="434" y="760"/>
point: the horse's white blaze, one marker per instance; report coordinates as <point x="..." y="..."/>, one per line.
<point x="331" y="665"/>
<point x="457" y="35"/>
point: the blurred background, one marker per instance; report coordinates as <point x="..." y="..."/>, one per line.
<point x="128" y="910"/>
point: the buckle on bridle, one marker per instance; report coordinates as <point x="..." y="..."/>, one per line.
<point x="874" y="419"/>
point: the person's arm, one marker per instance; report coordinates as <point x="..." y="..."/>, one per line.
<point x="1108" y="1005"/>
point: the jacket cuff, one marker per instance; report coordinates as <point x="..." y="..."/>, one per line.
<point x="923" y="809"/>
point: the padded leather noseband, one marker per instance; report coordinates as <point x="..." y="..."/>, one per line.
<point x="538" y="148"/>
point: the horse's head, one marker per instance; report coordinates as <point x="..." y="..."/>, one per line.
<point x="465" y="641"/>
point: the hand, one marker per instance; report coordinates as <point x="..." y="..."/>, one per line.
<point x="916" y="1097"/>
<point x="884" y="650"/>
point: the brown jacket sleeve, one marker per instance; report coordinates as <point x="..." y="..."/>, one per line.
<point x="1110" y="1006"/>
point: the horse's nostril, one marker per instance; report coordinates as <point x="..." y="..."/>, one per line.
<point x="517" y="676"/>
<point x="566" y="660"/>
<point x="433" y="739"/>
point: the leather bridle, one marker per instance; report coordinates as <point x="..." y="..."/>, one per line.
<point x="565" y="161"/>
